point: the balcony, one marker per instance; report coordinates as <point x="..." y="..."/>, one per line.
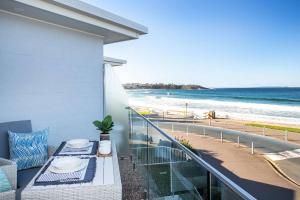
<point x="166" y="169"/>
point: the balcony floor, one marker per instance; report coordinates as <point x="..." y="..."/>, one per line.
<point x="132" y="188"/>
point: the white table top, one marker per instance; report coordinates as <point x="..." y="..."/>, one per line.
<point x="104" y="174"/>
<point x="106" y="184"/>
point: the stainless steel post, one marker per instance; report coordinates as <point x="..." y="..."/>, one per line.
<point x="286" y="135"/>
<point x="221" y="136"/>
<point x="187" y="129"/>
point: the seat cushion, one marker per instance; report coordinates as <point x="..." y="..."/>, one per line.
<point x="30" y="149"/>
<point x="25" y="176"/>
<point x="23" y="126"/>
<point x="4" y="182"/>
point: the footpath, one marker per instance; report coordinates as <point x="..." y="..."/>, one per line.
<point x="250" y="171"/>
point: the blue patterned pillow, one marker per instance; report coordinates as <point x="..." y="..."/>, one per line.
<point x="29" y="149"/>
<point x="4" y="183"/>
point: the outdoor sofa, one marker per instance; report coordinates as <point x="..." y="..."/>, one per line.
<point x="10" y="170"/>
<point x="19" y="179"/>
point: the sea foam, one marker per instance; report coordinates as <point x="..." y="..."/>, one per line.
<point x="233" y="109"/>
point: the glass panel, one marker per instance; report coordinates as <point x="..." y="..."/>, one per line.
<point x="168" y="169"/>
<point x="138" y="138"/>
<point x="138" y="143"/>
<point x="219" y="191"/>
<point x="171" y="172"/>
<point x="158" y="164"/>
<point x="114" y="103"/>
<point x="189" y="178"/>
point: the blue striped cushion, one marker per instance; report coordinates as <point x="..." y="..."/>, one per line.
<point x="29" y="149"/>
<point x="4" y="183"/>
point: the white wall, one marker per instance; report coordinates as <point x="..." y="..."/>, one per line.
<point x="52" y="76"/>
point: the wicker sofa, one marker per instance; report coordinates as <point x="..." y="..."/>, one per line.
<point x="23" y="177"/>
<point x="10" y="170"/>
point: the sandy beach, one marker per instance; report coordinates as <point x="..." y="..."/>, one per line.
<point x="227" y="123"/>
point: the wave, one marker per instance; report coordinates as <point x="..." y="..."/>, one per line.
<point x="265" y="99"/>
<point x="260" y="99"/>
<point x="234" y="109"/>
<point x="221" y="104"/>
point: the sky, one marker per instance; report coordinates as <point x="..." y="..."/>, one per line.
<point x="213" y="43"/>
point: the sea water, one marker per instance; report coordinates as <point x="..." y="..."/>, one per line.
<point x="278" y="105"/>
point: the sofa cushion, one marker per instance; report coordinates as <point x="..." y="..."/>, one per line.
<point x="30" y="149"/>
<point x="25" y="176"/>
<point x="4" y="182"/>
<point x="23" y="126"/>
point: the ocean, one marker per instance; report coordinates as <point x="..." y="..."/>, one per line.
<point x="277" y="105"/>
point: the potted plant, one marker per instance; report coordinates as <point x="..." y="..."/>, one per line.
<point x="105" y="126"/>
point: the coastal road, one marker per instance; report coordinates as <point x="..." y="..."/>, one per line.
<point x="284" y="155"/>
<point x="261" y="143"/>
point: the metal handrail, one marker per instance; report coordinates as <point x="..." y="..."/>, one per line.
<point x="240" y="191"/>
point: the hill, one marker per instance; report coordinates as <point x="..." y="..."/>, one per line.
<point x="162" y="86"/>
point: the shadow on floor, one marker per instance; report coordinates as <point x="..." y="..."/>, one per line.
<point x="257" y="189"/>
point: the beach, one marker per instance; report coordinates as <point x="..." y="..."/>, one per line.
<point x="270" y="111"/>
<point x="226" y="123"/>
<point x="268" y="105"/>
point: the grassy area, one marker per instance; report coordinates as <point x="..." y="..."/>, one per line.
<point x="145" y="113"/>
<point x="275" y="127"/>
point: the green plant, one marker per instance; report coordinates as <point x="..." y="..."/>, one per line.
<point x="184" y="142"/>
<point x="275" y="127"/>
<point x="105" y="125"/>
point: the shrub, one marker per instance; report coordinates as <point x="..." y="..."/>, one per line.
<point x="184" y="142"/>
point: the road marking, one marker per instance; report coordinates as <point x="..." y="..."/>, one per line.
<point x="283" y="155"/>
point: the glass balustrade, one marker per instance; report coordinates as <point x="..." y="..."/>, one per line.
<point x="171" y="171"/>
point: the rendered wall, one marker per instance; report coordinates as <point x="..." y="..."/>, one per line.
<point x="52" y="76"/>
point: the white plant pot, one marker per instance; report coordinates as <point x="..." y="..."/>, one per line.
<point x="105" y="150"/>
<point x="104" y="147"/>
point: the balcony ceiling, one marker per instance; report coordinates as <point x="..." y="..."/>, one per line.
<point x="77" y="15"/>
